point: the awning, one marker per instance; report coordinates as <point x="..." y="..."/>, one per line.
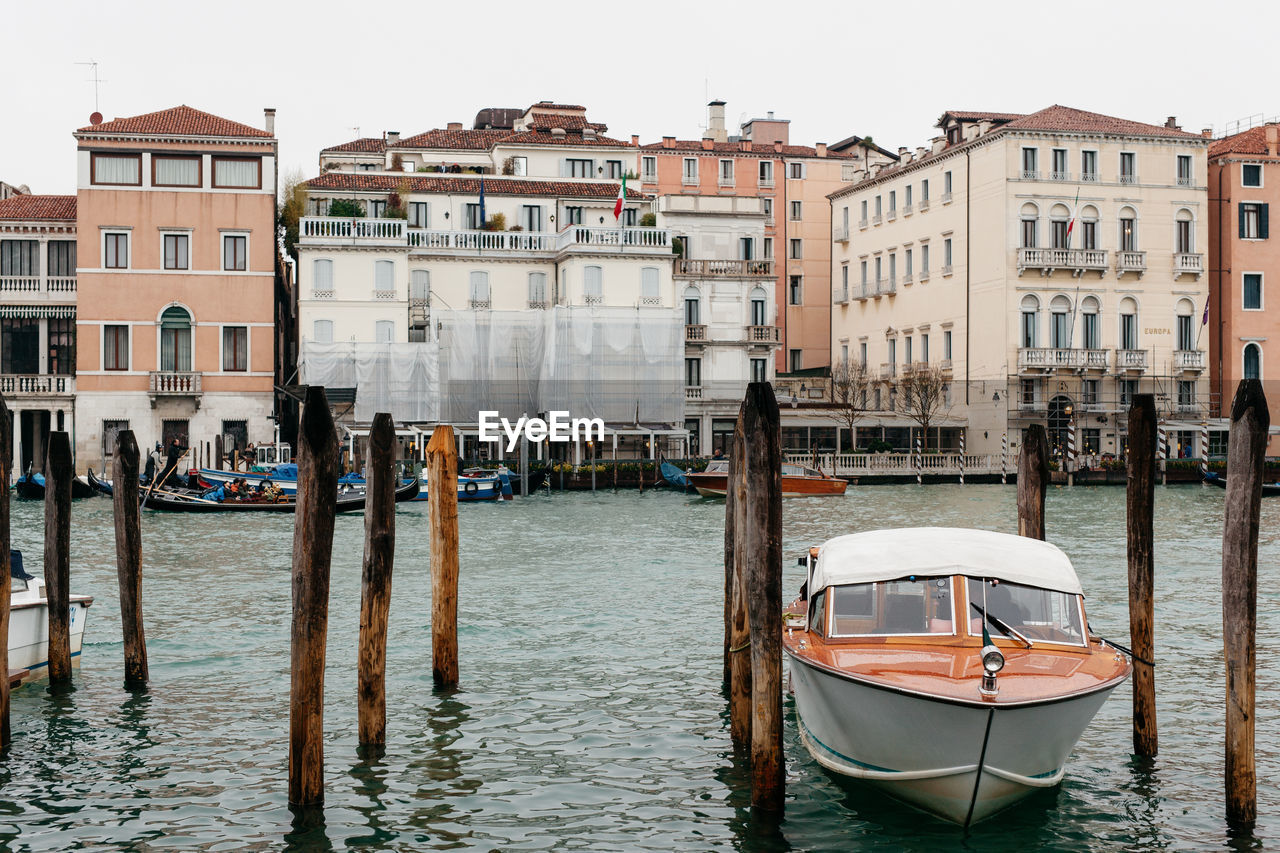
<point x="29" y="311"/>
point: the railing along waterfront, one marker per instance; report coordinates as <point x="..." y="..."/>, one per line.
<point x="891" y="464"/>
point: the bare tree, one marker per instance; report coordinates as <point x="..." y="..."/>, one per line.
<point x="851" y="385"/>
<point x="925" y="398"/>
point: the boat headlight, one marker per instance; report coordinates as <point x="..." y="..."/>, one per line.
<point x="992" y="660"/>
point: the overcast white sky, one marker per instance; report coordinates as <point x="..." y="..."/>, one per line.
<point x="883" y="69"/>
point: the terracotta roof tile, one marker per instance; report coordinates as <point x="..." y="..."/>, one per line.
<point x="979" y="115"/>
<point x="547" y="105"/>
<point x="1251" y="141"/>
<point x="1069" y="119"/>
<point x="695" y="146"/>
<point x="542" y="137"/>
<point x="464" y="140"/>
<point x="365" y="144"/>
<point x="371" y="182"/>
<point x="176" y="121"/>
<point x="38" y="207"/>
<point x="546" y="122"/>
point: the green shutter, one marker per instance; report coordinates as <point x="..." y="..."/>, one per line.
<point x="1240" y="213"/>
<point x="1262" y="221"/>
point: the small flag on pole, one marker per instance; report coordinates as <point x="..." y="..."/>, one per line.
<point x="622" y="196"/>
<point x="1075" y="209"/>
<point x="1205" y="320"/>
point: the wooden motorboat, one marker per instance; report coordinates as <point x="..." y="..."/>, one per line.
<point x="29" y="623"/>
<point x="798" y="481"/>
<point x="952" y="668"/>
<point x="1268" y="489"/>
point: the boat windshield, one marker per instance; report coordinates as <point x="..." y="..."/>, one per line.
<point x="718" y="466"/>
<point x="1038" y="614"/>
<point x="919" y="605"/>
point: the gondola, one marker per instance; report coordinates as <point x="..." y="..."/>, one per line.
<point x="30" y="487"/>
<point x="164" y="500"/>
<point x="1268" y="489"/>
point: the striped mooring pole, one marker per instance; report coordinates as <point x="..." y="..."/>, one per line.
<point x="919" y="463"/>
<point x="1071" y="453"/>
<point x="1204" y="450"/>
<point x="1004" y="458"/>
<point x="1162" y="454"/>
<point x="962" y="457"/>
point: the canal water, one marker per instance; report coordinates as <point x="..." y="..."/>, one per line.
<point x="589" y="714"/>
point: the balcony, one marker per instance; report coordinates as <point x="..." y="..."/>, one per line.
<point x="539" y="304"/>
<point x="726" y="182"/>
<point x="1088" y="177"/>
<point x="906" y="210"/>
<point x="1034" y="359"/>
<point x="60" y="289"/>
<point x="173" y="383"/>
<point x="693" y="392"/>
<point x="946" y="269"/>
<point x="885" y="286"/>
<point x="1077" y="261"/>
<point x="381" y="295"/>
<point x="924" y="275"/>
<point x="840" y="297"/>
<point x="322" y="294"/>
<point x="689" y="180"/>
<point x="479" y="304"/>
<point x="946" y="198"/>
<point x="1188" y="360"/>
<point x="907" y="279"/>
<point x="1128" y="360"/>
<point x="341" y="231"/>
<point x="579" y="237"/>
<point x="696" y="268"/>
<point x="695" y="333"/>
<point x="763" y="334"/>
<point x="1097" y="359"/>
<point x="840" y="234"/>
<point x="1025" y="174"/>
<point x="765" y="183"/>
<point x="888" y="371"/>
<point x="1186" y="181"/>
<point x="1135" y="262"/>
<point x="1060" y="176"/>
<point x="924" y="205"/>
<point x="945" y="366"/>
<point x="14" y="385"/>
<point x="1128" y="179"/>
<point x="649" y="177"/>
<point x="1188" y="263"/>
<point x="875" y="220"/>
<point x="891" y="215"/>
<point x="1187" y="407"/>
<point x="476" y="241"/>
<point x="862" y="224"/>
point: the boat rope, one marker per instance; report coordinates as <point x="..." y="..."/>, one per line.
<point x="740" y="648"/>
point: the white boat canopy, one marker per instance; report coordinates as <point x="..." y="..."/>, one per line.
<point x="884" y="555"/>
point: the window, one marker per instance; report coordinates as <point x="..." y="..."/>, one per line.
<point x="1184" y="171"/>
<point x="1092" y="332"/>
<point x="1186" y="393"/>
<point x="924" y="190"/>
<point x="419" y="214"/>
<point x="235" y="249"/>
<point x="893" y="268"/>
<point x="384" y="331"/>
<point x="471" y="217"/>
<point x="893" y="350"/>
<point x="917" y="606"/>
<point x="20" y="257"/>
<point x="692" y="307"/>
<point x="322" y="275"/>
<point x="768" y="208"/>
<point x="864" y="211"/>
<point x="796" y="208"/>
<point x="946" y="344"/>
<point x="531" y="217"/>
<point x="175" y="339"/>
<point x="20" y="345"/>
<point x="1030" y="226"/>
<point x="1050" y="617"/>
<point x="1186" y="339"/>
<point x="62" y="258"/>
<point x="746" y="248"/>
<point x="910" y="345"/>
<point x="759" y="309"/>
<point x="908" y="269"/>
<point x="479" y="289"/>
<point x="649" y="168"/>
<point x="124" y="170"/>
<point x="1058" y="233"/>
<point x="1030" y="324"/>
<point x="1252" y="361"/>
<point x="864" y="274"/>
<point x="924" y="348"/>
<point x="520" y="166"/>
<point x="1128" y="390"/>
<point x="61" y="348"/>
<point x="420" y="286"/>
<point x="377" y="208"/>
<point x="1030" y="164"/>
<point x="235" y="348"/>
<point x="1252" y="291"/>
<point x="1183" y="233"/>
<point x="573" y="216"/>
<point x="1089" y="166"/>
<point x="795" y="251"/>
<point x="1059" y="165"/>
<point x="579" y="169"/>
<point x="795" y="290"/>
<point x="1128" y="167"/>
<point x="593" y="284"/>
<point x="766" y="173"/>
<point x="726" y="171"/>
<point x="237" y="172"/>
<point x="613" y="170"/>
<point x="690" y="173"/>
<point x="879" y="269"/>
<point x="537" y="290"/>
<point x="175" y="171"/>
<point x="946" y="255"/>
<point x="906" y="199"/>
<point x="767" y="248"/>
<point x="1030" y="391"/>
<point x="1089" y="392"/>
<point x="1059" y="334"/>
<point x="844" y="278"/>
<point x="367" y="167"/>
<point x="893" y="201"/>
<point x="1128" y="232"/>
<point x="1253" y="221"/>
<point x="322" y="331"/>
<point x="692" y="372"/>
<point x="628" y="217"/>
<point x="649" y="286"/>
<point x="1128" y="324"/>
<point x="795" y="360"/>
<point x="1089" y="227"/>
<point x="924" y="260"/>
<point x="795" y="171"/>
<point x="384" y="276"/>
<point x="116" y="251"/>
<point x="879" y="207"/>
<point x="1250" y="173"/>
<point x="176" y="251"/>
<point x="759" y="370"/>
<point x="946" y="184"/>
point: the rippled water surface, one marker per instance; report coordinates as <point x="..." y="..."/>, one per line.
<point x="589" y="714"/>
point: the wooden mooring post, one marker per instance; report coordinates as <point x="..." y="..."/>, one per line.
<point x="312" y="553"/>
<point x="737" y="622"/>
<point x="1140" y="512"/>
<point x="58" y="474"/>
<point x="128" y="529"/>
<point x="6" y="474"/>
<point x="375" y="581"/>
<point x="1033" y="478"/>
<point x="762" y="544"/>
<point x="1246" y="461"/>
<point x="442" y="507"/>
<point x="218" y="456"/>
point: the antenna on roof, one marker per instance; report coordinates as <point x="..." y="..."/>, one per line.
<point x="356" y="130"/>
<point x="95" y="79"/>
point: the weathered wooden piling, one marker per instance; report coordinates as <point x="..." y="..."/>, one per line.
<point x="1140" y="511"/>
<point x="124" y="498"/>
<point x="58" y="474"/>
<point x="1246" y="449"/>
<point x="6" y="474"/>
<point x="375" y="582"/>
<point x="737" y="600"/>
<point x="524" y="465"/>
<point x="762" y="535"/>
<point x="312" y="552"/>
<point x="1033" y="478"/>
<point x="442" y="506"/>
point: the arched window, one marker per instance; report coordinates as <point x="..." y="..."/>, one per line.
<point x="479" y="289"/>
<point x="175" y="339"/>
<point x="384" y="276"/>
<point x="1030" y="322"/>
<point x="1088" y="225"/>
<point x="1091" y="333"/>
<point x="1128" y="229"/>
<point x="1060" y="322"/>
<point x="1128" y="324"/>
<point x="1030" y="219"/>
<point x="420" y="286"/>
<point x="1252" y="361"/>
<point x="593" y="285"/>
<point x="322" y="276"/>
<point x="692" y="306"/>
<point x="1184" y="328"/>
<point x="1184" y="235"/>
<point x="538" y="290"/>
<point x="759" y="307"/>
<point x="1059" y="216"/>
<point x="322" y="331"/>
<point x="649" y="286"/>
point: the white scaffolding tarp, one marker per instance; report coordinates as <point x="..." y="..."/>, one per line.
<point x="402" y="379"/>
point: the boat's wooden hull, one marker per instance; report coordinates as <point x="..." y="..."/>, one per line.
<point x="960" y="761"/>
<point x="715" y="485"/>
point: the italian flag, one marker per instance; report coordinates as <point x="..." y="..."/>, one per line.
<point x="622" y="196"/>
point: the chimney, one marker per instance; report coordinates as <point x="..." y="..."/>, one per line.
<point x="937" y="144"/>
<point x="770" y="115"/>
<point x="744" y="144"/>
<point x="392" y="137"/>
<point x="588" y="133"/>
<point x="1172" y="123"/>
<point x="1207" y="132"/>
<point x="715" y="122"/>
<point x="777" y="146"/>
<point x="269" y="120"/>
<point x="920" y="151"/>
<point x="902" y="151"/>
<point x="635" y="140"/>
<point x="707" y="143"/>
<point x="668" y="142"/>
<point x="821" y="147"/>
<point x="558" y="132"/>
<point x="453" y="125"/>
<point x="1272" y="132"/>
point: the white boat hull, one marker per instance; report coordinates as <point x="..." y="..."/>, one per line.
<point x="29" y="633"/>
<point x="929" y="752"/>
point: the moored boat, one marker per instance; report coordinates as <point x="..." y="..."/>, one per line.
<point x="797" y="481"/>
<point x="30" y="486"/>
<point x="952" y="668"/>
<point x="162" y="500"/>
<point x="1268" y="489"/>
<point x="29" y="623"/>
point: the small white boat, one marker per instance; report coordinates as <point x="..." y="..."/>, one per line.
<point x="29" y="624"/>
<point x="952" y="668"/>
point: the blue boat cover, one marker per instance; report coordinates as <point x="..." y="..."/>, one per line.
<point x="674" y="475"/>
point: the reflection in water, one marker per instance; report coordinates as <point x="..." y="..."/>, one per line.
<point x="1143" y="807"/>
<point x="370" y="775"/>
<point x="307" y="831"/>
<point x="439" y="766"/>
<point x="753" y="831"/>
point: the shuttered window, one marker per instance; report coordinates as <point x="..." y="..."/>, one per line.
<point x="1253" y="221"/>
